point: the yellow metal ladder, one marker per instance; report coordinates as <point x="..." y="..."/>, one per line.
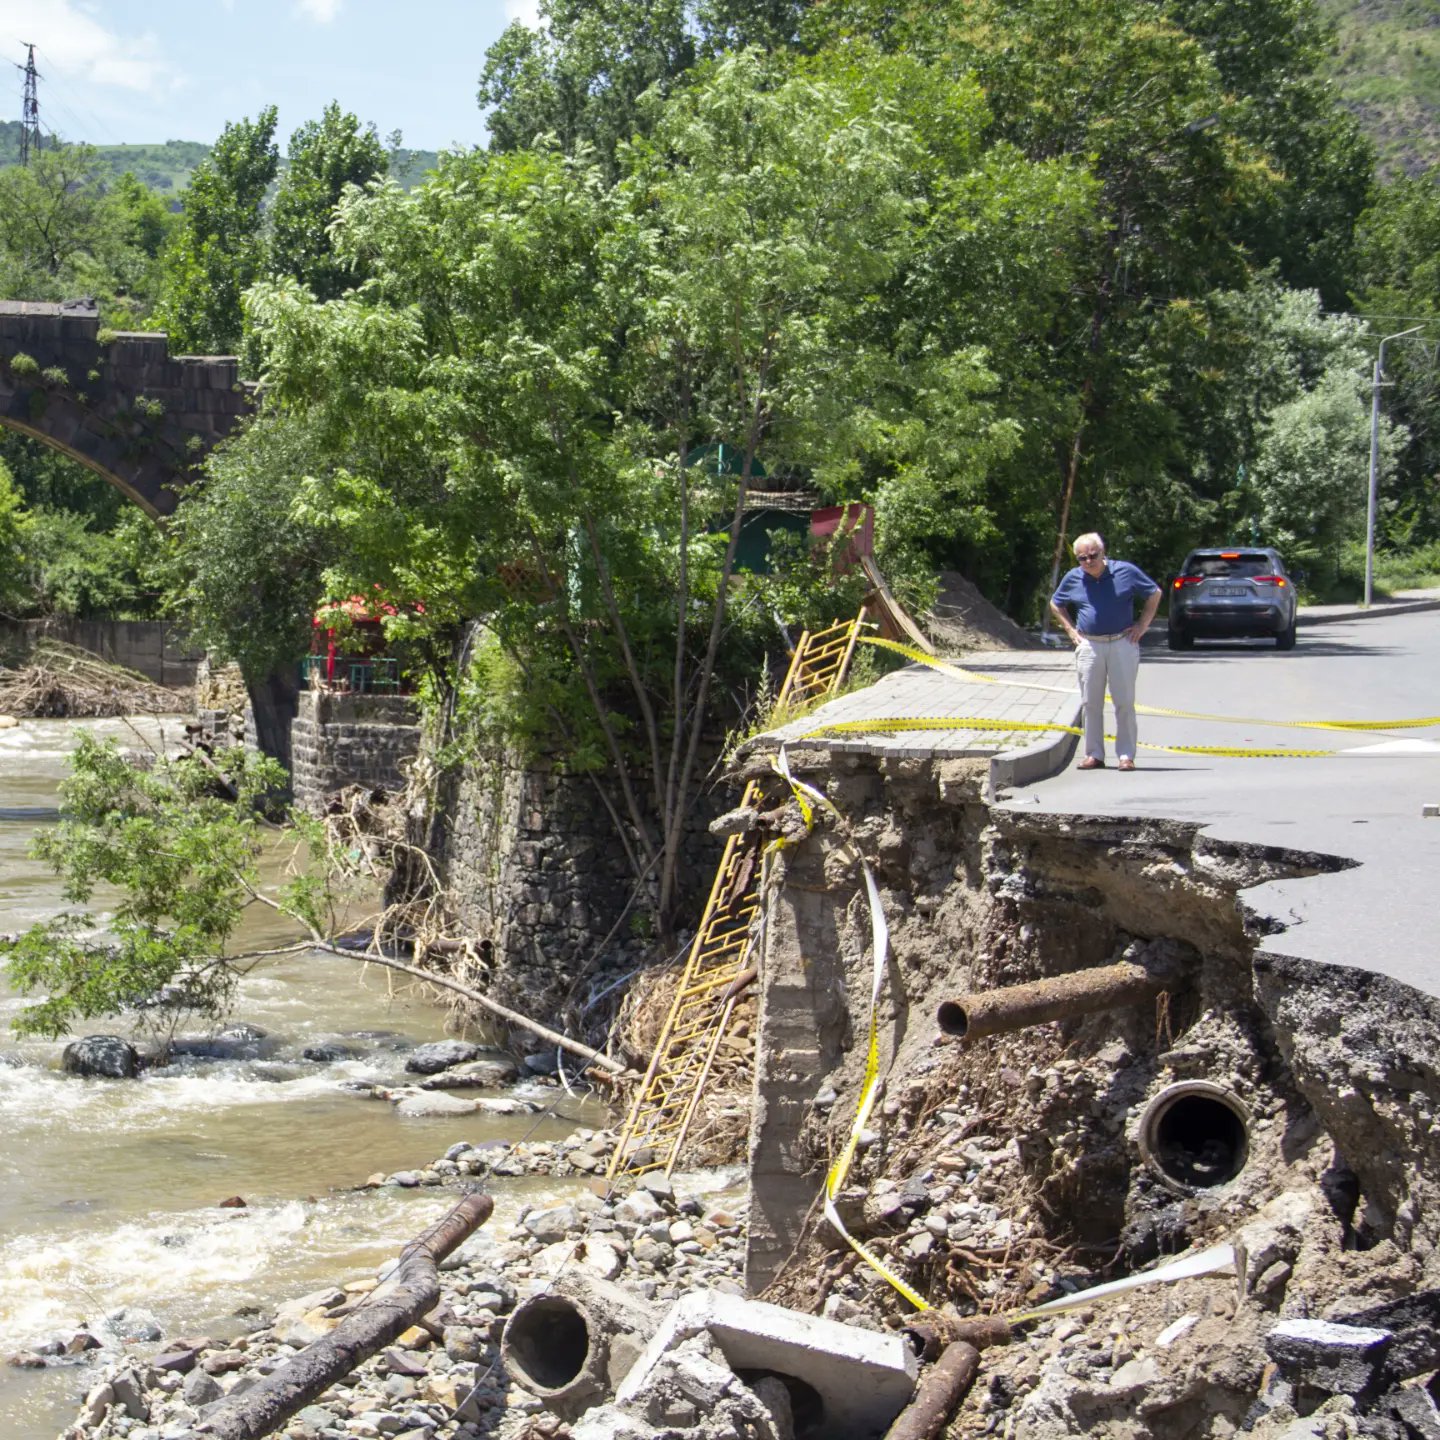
<point x="666" y="1101"/>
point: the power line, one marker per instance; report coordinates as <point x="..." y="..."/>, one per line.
<point x="81" y="115"/>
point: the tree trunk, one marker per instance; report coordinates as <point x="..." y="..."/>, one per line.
<point x="410" y="1292"/>
<point x="274" y="702"/>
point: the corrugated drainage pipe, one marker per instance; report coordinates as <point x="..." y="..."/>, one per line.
<point x="1195" y="1135"/>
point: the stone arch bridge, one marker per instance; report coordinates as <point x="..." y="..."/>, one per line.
<point x="119" y="403"/>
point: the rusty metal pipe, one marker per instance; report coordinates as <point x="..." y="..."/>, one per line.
<point x="941" y="1389"/>
<point x="1082" y="992"/>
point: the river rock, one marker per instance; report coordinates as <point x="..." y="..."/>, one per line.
<point x="433" y="1103"/>
<point x="180" y="1355"/>
<point x="130" y="1395"/>
<point x="106" y="1056"/>
<point x="100" y="1398"/>
<point x="328" y="1053"/>
<point x="484" y="1074"/>
<point x="441" y="1055"/>
<point x="300" y="1322"/>
<point x="132" y="1325"/>
<point x="641" y="1208"/>
<point x="504" y="1105"/>
<point x="242" y="1030"/>
<point x="551" y="1224"/>
<point x="200" y="1389"/>
<point x="235" y="1042"/>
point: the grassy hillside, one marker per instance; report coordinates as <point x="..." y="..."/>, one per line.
<point x="167" y="168"/>
<point x="1387" y="64"/>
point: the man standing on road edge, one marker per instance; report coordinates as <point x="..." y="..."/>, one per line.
<point x="1106" y="636"/>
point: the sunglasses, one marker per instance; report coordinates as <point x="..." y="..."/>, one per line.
<point x="1086" y="556"/>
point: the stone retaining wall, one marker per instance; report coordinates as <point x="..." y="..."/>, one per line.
<point x="532" y="861"/>
<point x="339" y="740"/>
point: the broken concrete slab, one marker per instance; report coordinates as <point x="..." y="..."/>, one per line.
<point x="862" y="1379"/>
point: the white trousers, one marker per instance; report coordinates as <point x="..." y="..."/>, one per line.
<point x="1112" y="665"/>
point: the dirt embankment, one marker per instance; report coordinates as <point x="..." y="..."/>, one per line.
<point x="962" y="619"/>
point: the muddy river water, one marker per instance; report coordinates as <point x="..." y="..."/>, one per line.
<point x="110" y="1190"/>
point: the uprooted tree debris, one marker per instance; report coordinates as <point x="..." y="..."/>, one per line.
<point x="57" y="681"/>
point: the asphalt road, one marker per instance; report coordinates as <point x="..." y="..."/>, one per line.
<point x="1364" y="803"/>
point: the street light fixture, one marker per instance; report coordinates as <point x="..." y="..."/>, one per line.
<point x="1375" y="458"/>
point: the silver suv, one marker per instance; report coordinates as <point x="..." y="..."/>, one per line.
<point x="1230" y="593"/>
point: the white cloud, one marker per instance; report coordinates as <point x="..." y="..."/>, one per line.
<point x="81" y="47"/>
<point x="322" y="12"/>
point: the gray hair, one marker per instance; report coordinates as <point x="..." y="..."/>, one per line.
<point x="1090" y="540"/>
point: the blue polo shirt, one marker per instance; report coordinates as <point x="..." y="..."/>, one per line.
<point x="1104" y="605"/>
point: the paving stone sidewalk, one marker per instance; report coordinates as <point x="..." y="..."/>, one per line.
<point x="1035" y="687"/>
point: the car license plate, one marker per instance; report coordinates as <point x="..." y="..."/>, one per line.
<point x="1229" y="590"/>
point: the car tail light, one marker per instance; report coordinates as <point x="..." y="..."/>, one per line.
<point x="1187" y="580"/>
<point x="1268" y="579"/>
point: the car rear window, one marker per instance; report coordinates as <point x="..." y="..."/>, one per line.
<point x="1229" y="562"/>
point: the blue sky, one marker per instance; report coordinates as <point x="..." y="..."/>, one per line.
<point x="132" y="71"/>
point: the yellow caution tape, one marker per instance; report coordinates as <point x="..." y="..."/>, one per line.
<point x="892" y="723"/>
<point x="835" y="1180"/>
<point x="896" y="724"/>
<point x="1422" y="722"/>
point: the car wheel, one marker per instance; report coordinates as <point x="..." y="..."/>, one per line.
<point x="1285" y="640"/>
<point x="1179" y="640"/>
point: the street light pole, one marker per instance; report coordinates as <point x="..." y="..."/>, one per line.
<point x="1375" y="459"/>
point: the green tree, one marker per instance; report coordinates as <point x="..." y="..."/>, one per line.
<point x="12" y="535"/>
<point x="325" y="156"/>
<point x="185" y="864"/>
<point x="1399" y="283"/>
<point x="50" y="213"/>
<point x="69" y="568"/>
<point x="67" y="230"/>
<point x="142" y="223"/>
<point x="510" y="407"/>
<point x="218" y="248"/>
<point x="580" y="75"/>
<point x="243" y="571"/>
<point x="1311" y="467"/>
<point x="1273" y="57"/>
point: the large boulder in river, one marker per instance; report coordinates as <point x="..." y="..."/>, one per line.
<point x="487" y="1073"/>
<point x="105" y="1055"/>
<point x="431" y="1059"/>
<point x="234" y="1042"/>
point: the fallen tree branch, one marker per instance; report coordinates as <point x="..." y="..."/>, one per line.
<point x="503" y="1012"/>
<point x="410" y="1292"/>
<point x="494" y="1007"/>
